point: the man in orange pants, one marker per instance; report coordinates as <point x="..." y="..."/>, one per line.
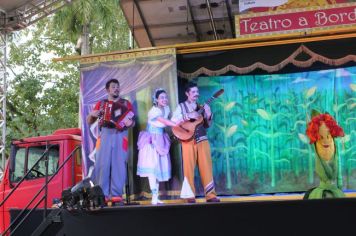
<point x="197" y="150"/>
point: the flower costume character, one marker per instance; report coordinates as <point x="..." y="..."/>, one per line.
<point x="322" y="130"/>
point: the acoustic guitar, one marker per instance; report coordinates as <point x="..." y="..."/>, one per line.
<point x="186" y="130"/>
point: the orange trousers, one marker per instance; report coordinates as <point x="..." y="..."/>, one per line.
<point x="199" y="154"/>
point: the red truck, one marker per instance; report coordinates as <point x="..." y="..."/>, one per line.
<point x="25" y="172"/>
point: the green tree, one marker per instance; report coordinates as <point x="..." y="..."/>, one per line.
<point x="42" y="95"/>
<point x="93" y="25"/>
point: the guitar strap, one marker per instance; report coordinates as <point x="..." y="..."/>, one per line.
<point x="185" y="109"/>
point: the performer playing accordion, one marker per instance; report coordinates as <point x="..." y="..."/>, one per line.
<point x="114" y="114"/>
<point x="115" y="117"/>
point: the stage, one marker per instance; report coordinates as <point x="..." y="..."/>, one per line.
<point x="251" y="215"/>
<point x="249" y="198"/>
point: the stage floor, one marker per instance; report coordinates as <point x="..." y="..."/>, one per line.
<point x="253" y="198"/>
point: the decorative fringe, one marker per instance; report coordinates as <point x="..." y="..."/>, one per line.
<point x="314" y="57"/>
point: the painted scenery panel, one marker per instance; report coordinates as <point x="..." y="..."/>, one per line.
<point x="258" y="135"/>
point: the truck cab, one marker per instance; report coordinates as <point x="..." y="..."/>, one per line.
<point x="24" y="154"/>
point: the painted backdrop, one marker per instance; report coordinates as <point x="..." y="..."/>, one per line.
<point x="139" y="74"/>
<point x="258" y="136"/>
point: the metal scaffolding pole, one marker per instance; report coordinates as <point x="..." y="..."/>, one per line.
<point x="16" y="19"/>
<point x="3" y="87"/>
<point x="31" y="12"/>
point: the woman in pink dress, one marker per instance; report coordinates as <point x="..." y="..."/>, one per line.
<point x="154" y="143"/>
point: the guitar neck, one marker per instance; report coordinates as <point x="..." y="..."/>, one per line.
<point x="201" y="110"/>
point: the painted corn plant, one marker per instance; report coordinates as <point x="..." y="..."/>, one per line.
<point x="258" y="136"/>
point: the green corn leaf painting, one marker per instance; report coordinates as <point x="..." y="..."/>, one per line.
<point x="351" y="106"/>
<point x="229" y="106"/>
<point x="310" y="92"/>
<point x="345" y="139"/>
<point x="336" y="107"/>
<point x="303" y="138"/>
<point x="349" y="120"/>
<point x="232" y="129"/>
<point x="264" y="114"/>
<point x="221" y="128"/>
<point x="353" y="87"/>
<point x="298" y="123"/>
<point x="244" y="123"/>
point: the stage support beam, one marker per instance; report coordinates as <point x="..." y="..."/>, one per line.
<point x="3" y="89"/>
<point x="31" y="12"/>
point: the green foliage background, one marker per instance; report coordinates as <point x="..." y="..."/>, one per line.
<point x="258" y="137"/>
<point x="43" y="95"/>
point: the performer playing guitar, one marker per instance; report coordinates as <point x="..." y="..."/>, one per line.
<point x="186" y="130"/>
<point x="195" y="144"/>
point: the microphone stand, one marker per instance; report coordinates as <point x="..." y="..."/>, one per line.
<point x="127" y="187"/>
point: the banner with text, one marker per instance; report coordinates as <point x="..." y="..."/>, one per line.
<point x="247" y="4"/>
<point x="304" y="21"/>
<point x="257" y="5"/>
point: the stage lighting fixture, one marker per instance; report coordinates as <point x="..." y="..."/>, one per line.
<point x="83" y="196"/>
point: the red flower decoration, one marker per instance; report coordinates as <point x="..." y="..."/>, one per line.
<point x="313" y="127"/>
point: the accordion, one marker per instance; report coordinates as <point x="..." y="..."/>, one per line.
<point x="115" y="114"/>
